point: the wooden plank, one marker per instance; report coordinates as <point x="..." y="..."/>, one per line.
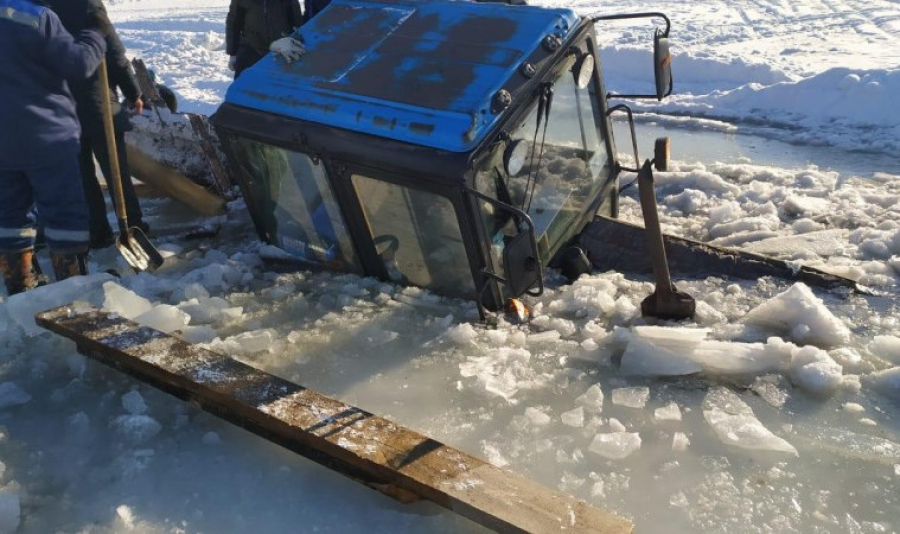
<point x="221" y="179"/>
<point x="148" y="88"/>
<point x="613" y="244"/>
<point x="174" y="184"/>
<point x="340" y="436"/>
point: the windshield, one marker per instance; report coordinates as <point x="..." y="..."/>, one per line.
<point x="566" y="165"/>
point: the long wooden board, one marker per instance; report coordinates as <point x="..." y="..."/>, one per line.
<point x="613" y="244"/>
<point x="343" y="437"/>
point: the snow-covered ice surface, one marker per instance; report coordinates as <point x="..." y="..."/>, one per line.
<point x="775" y="412"/>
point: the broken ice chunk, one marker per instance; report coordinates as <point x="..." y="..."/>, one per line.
<point x="801" y="314"/>
<point x="254" y="341"/>
<point x="886" y="382"/>
<point x="723" y="357"/>
<point x="772" y="388"/>
<point x="134" y="403"/>
<point x="735" y="424"/>
<point x="124" y="302"/>
<point x="635" y="397"/>
<point x="12" y="395"/>
<point x="644" y="358"/>
<point x="886" y="347"/>
<point x="592" y="399"/>
<point x="164" y="318"/>
<point x="615" y="445"/>
<point x="573" y="418"/>
<point x="137" y="429"/>
<point x="501" y="373"/>
<point x="537" y="417"/>
<point x="669" y="412"/>
<point x="615" y="425"/>
<point x="680" y="442"/>
<point x="813" y="370"/>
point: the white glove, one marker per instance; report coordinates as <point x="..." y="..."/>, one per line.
<point x="232" y="62"/>
<point x="288" y="48"/>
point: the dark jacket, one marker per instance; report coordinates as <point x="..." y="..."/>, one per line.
<point x="38" y="124"/>
<point x="256" y="23"/>
<point x="312" y="7"/>
<point x="76" y="15"/>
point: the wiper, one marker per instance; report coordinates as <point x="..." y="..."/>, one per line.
<point x="546" y="99"/>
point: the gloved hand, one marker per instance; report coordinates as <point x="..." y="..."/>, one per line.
<point x="288" y="48"/>
<point x="232" y="63"/>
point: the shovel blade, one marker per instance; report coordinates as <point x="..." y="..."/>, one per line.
<point x="138" y="251"/>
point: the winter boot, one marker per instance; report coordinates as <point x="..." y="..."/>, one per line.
<point x="68" y="265"/>
<point x="21" y="271"/>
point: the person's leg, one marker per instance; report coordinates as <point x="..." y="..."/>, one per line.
<point x="101" y="233"/>
<point x="59" y="196"/>
<point x="98" y="144"/>
<point x="132" y="205"/>
<point x="246" y="58"/>
<point x="17" y="232"/>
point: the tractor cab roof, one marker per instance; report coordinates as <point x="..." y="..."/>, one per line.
<point x="424" y="73"/>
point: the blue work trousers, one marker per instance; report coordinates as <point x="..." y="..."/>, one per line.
<point x="56" y="192"/>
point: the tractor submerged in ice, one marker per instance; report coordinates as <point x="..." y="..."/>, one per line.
<point x="456" y="146"/>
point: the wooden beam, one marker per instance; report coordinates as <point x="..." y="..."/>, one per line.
<point x="352" y="441"/>
<point x="616" y="245"/>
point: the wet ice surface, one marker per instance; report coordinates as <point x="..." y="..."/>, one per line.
<point x="748" y="432"/>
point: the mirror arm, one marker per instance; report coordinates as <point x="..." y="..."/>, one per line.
<point x="651" y="14"/>
<point x="636" y="97"/>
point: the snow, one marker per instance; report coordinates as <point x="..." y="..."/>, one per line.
<point x="742" y="422"/>
<point x="886" y="347"/>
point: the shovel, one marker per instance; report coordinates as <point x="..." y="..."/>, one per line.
<point x="132" y="243"/>
<point x="665" y="302"/>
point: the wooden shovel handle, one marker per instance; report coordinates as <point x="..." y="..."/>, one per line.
<point x="110" y="133"/>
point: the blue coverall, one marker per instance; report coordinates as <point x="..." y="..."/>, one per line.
<point x="39" y="128"/>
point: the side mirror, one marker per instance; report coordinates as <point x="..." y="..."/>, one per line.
<point x="662" y="58"/>
<point x="662" y="65"/>
<point x="520" y="261"/>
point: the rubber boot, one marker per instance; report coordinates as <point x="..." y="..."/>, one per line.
<point x="68" y="265"/>
<point x="19" y="273"/>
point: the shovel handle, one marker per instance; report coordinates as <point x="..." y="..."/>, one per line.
<point x="113" y="155"/>
<point x="656" y="245"/>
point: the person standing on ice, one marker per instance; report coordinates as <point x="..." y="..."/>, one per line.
<point x="75" y="16"/>
<point x="39" y="141"/>
<point x="255" y="27"/>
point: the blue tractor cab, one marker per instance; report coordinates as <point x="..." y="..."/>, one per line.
<point x="454" y="145"/>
